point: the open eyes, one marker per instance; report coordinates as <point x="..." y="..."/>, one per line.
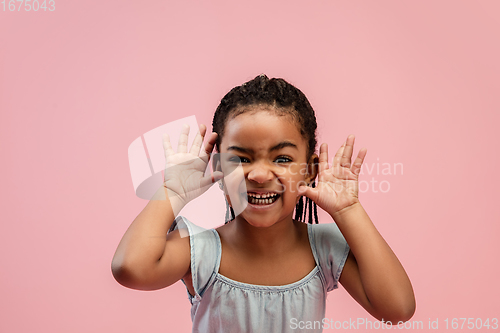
<point x="237" y="159"/>
<point x="279" y="159"/>
<point x="282" y="159"/>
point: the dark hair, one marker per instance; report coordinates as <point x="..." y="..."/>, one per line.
<point x="287" y="100"/>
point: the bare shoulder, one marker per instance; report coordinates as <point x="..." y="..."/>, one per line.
<point x="172" y="266"/>
<point x="182" y="244"/>
<point x="176" y="259"/>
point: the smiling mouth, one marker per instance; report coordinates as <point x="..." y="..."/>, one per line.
<point x="262" y="198"/>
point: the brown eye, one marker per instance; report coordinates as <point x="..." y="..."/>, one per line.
<point x="238" y="159"/>
<point x="283" y="159"/>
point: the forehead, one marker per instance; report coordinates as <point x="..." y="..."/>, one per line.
<point x="261" y="127"/>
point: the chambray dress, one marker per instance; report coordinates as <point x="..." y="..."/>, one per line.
<point x="224" y="305"/>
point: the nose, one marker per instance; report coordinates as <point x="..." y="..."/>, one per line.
<point x="260" y="173"/>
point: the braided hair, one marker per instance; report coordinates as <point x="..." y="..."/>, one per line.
<point x="287" y="100"/>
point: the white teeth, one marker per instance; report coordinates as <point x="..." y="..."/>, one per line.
<point x="262" y="198"/>
<point x="266" y="199"/>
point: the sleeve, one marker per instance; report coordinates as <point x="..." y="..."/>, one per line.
<point x="332" y="251"/>
<point x="204" y="253"/>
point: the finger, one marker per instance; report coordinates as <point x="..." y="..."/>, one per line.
<point x="183" y="139"/>
<point x="217" y="165"/>
<point x="358" y="162"/>
<point x="323" y="158"/>
<point x="208" y="180"/>
<point x="345" y="161"/>
<point x="309" y="192"/>
<point x="198" y="140"/>
<point x="338" y="156"/>
<point x="209" y="147"/>
<point x="167" y="146"/>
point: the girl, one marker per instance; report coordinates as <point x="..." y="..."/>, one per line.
<point x="263" y="270"/>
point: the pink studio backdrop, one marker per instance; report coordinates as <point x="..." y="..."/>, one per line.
<point x="415" y="81"/>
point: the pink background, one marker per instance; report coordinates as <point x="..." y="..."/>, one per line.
<point x="416" y="81"/>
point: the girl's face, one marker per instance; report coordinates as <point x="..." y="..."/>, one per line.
<point x="272" y="153"/>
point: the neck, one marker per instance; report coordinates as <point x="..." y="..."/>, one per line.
<point x="278" y="238"/>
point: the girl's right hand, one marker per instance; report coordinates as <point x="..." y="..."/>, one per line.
<point x="184" y="175"/>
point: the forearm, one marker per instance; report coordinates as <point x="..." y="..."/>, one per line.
<point x="383" y="278"/>
<point x="143" y="243"/>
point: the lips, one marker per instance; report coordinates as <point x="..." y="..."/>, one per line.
<point x="262" y="198"/>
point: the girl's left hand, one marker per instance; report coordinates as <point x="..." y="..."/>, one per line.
<point x="337" y="187"/>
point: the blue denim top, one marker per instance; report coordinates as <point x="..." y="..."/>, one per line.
<point x="224" y="305"/>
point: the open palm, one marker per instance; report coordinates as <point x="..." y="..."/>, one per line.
<point x="337" y="184"/>
<point x="184" y="174"/>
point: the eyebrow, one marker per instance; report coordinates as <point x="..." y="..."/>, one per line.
<point x="279" y="146"/>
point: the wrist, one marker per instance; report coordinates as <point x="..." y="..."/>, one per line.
<point x="176" y="202"/>
<point x="345" y="212"/>
<point x="172" y="199"/>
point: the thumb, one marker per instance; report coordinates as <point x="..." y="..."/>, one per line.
<point x="216" y="176"/>
<point x="209" y="180"/>
<point x="307" y="191"/>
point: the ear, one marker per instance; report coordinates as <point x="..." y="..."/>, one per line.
<point x="312" y="168"/>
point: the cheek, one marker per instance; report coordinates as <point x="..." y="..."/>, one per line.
<point x="234" y="188"/>
<point x="295" y="178"/>
<point x="235" y="192"/>
<point x="289" y="186"/>
<point x="235" y="181"/>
